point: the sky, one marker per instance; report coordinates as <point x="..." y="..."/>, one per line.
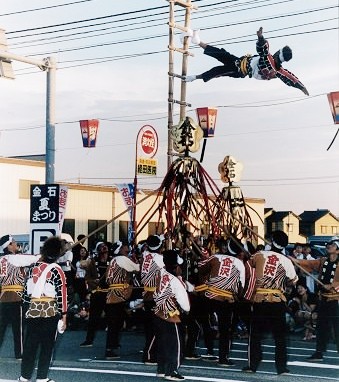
<point x="113" y="67"/>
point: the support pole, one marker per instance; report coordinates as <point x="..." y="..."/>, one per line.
<point x="50" y="121"/>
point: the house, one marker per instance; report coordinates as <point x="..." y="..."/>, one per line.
<point x="286" y="221"/>
<point x="319" y="223"/>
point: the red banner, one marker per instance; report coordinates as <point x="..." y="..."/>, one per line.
<point x="333" y="99"/>
<point x="89" y="129"/>
<point x="207" y="117"/>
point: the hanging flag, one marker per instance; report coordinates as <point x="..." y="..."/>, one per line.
<point x="127" y="192"/>
<point x="89" y="130"/>
<point x="333" y="100"/>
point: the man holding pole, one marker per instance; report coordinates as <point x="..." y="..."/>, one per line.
<point x="273" y="270"/>
<point x="328" y="311"/>
<point x="12" y="276"/>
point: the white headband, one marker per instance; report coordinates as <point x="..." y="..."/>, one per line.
<point x="8" y="242"/>
<point x="229" y="249"/>
<point x="277" y="245"/>
<point x="119" y="245"/>
<point x="161" y="239"/>
<point x="281" y="58"/>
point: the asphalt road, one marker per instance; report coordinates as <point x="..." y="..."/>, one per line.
<point x="72" y="363"/>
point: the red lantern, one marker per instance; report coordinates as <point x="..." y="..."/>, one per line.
<point x="333" y="99"/>
<point x="89" y="129"/>
<point x="207" y="117"/>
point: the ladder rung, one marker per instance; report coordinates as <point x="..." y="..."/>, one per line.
<point x="179" y="102"/>
<point x="177" y="26"/>
<point x="183" y="51"/>
<point x="182" y="3"/>
<point x="176" y="75"/>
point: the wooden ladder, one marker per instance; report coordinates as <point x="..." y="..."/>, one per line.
<point x="187" y="4"/>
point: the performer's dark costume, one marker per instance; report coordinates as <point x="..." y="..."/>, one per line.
<point x="261" y="66"/>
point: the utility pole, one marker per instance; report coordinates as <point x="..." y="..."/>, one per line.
<point x="48" y="64"/>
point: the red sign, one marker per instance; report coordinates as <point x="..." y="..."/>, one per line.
<point x="148" y="140"/>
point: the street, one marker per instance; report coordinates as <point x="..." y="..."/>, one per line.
<point x="82" y="364"/>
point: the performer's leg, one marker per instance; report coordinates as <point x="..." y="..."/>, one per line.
<point x="4" y="319"/>
<point x="217" y="71"/>
<point x="204" y="316"/>
<point x="173" y="347"/>
<point x="17" y="328"/>
<point x="334" y="318"/>
<point x="257" y="329"/>
<point x="48" y="332"/>
<point x="323" y="327"/>
<point x="32" y="341"/>
<point x="115" y="321"/>
<point x="278" y="323"/>
<point x="221" y="55"/>
<point x="150" y="348"/>
<point x="162" y="346"/>
<point x="224" y="311"/>
<point x="191" y="323"/>
<point x="96" y="307"/>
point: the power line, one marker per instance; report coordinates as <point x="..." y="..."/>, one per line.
<point x="135" y="23"/>
<point x="164" y="35"/>
<point x="44" y="8"/>
<point x="86" y="20"/>
<point x="147" y="117"/>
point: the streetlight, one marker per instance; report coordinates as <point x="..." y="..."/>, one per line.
<point x="48" y="64"/>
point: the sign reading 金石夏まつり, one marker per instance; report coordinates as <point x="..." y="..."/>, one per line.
<point x="48" y="208"/>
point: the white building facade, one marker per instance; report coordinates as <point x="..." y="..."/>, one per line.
<point x="89" y="207"/>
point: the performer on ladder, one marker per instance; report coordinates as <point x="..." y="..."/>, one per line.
<point x="263" y="66"/>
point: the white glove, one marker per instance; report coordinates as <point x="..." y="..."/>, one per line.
<point x="190" y="78"/>
<point x="188" y="33"/>
<point x="196" y="37"/>
<point x="189" y="286"/>
<point x="61" y="327"/>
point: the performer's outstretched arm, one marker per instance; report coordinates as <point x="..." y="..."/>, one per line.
<point x="269" y="64"/>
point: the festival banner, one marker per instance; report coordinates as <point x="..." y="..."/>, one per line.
<point x="333" y="100"/>
<point x="127" y="193"/>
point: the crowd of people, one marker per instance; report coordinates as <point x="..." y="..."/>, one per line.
<point x="208" y="288"/>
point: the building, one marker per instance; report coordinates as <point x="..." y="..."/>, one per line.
<point x="286" y="221"/>
<point x="89" y="207"/>
<point x="319" y="223"/>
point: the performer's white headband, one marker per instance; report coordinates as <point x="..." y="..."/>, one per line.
<point x="281" y="58"/>
<point x="119" y="245"/>
<point x="157" y="246"/>
<point x="277" y="245"/>
<point x="8" y="242"/>
<point x="229" y="249"/>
